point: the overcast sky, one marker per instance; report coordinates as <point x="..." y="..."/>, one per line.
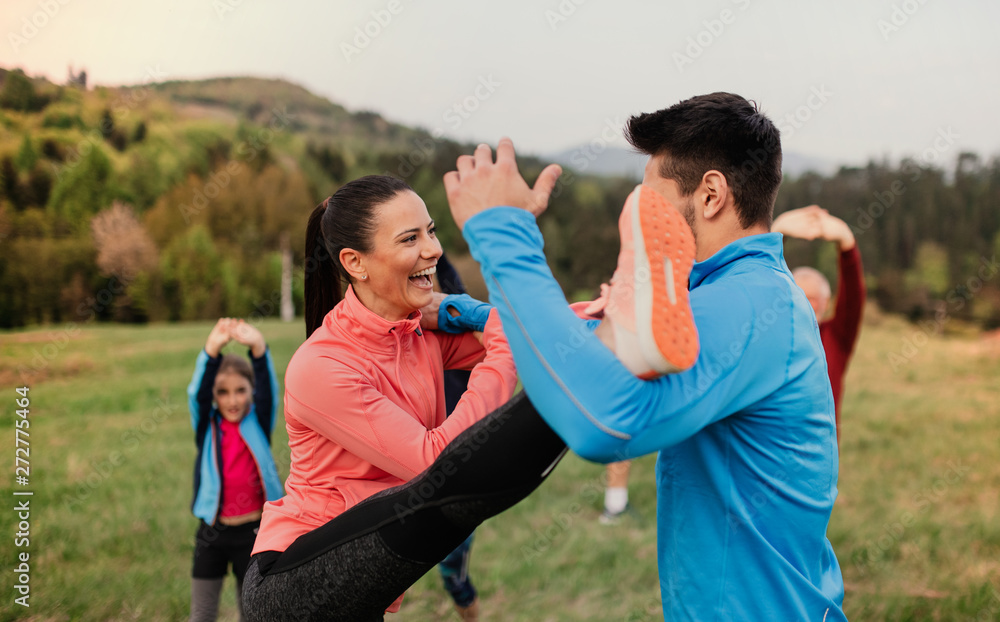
<point x="860" y="78"/>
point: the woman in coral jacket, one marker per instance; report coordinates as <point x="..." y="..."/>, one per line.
<point x="364" y="395"/>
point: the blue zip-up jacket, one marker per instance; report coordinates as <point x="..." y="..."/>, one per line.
<point x="255" y="428"/>
<point x="747" y="467"/>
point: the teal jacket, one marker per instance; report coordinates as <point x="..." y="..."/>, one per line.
<point x="747" y="467"/>
<point x="255" y="429"/>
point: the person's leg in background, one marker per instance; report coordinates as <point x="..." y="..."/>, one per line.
<point x="616" y="494"/>
<point x="207" y="574"/>
<point x="455" y="568"/>
<point x="205" y="595"/>
<point x="239" y="547"/>
<point x="454" y="571"/>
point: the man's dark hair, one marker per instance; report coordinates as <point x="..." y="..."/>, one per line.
<point x="720" y="131"/>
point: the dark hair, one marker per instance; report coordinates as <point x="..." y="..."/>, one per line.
<point x="345" y="220"/>
<point x="720" y="131"/>
<point x="235" y="364"/>
<point x="448" y="277"/>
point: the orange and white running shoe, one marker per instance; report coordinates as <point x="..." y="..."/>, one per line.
<point x="647" y="301"/>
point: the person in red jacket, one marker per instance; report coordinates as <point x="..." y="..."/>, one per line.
<point x="839" y="332"/>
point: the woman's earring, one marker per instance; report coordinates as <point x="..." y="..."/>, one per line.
<point x="364" y="276"/>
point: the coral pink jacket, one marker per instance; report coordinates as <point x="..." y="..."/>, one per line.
<point x="365" y="410"/>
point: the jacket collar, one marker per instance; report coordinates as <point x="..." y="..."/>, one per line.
<point x="366" y="327"/>
<point x="764" y="246"/>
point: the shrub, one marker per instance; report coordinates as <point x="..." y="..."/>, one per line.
<point x="62" y="120"/>
<point x="18" y="93"/>
<point x="82" y="189"/>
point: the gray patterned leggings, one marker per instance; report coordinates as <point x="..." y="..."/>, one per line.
<point x="352" y="568"/>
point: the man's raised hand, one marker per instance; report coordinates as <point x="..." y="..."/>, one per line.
<point x="480" y="183"/>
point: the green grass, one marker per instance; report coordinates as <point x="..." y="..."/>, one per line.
<point x="915" y="528"/>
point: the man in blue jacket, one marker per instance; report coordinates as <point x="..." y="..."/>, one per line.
<point x="747" y="467"/>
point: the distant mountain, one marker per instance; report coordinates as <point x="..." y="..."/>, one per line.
<point x="607" y="161"/>
<point x="620" y="162"/>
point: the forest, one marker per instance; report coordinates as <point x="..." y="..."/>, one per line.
<point x="171" y="201"/>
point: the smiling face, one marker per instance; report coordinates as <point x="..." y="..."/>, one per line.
<point x="232" y="394"/>
<point x="404" y="255"/>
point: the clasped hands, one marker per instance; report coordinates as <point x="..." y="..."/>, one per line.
<point x="232" y="329"/>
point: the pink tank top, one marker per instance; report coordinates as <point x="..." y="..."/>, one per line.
<point x="242" y="491"/>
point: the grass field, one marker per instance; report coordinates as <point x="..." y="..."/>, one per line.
<point x="111" y="537"/>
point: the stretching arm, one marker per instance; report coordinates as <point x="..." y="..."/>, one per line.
<point x="846" y="320"/>
<point x="602" y="411"/>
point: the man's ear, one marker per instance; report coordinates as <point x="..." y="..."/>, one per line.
<point x="353" y="262"/>
<point x="713" y="194"/>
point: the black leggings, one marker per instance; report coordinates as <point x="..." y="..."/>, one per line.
<point x="353" y="567"/>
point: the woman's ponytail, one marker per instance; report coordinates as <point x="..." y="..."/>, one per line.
<point x="345" y="220"/>
<point x="322" y="276"/>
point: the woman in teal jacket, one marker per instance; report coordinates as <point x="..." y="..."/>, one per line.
<point x="232" y="416"/>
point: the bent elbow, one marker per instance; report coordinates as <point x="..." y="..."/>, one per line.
<point x="598" y="446"/>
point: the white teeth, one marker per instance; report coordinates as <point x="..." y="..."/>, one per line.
<point x="427" y="272"/>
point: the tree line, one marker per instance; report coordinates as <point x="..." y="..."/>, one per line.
<point x="149" y="215"/>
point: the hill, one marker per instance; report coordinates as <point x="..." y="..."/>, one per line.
<point x="200" y="185"/>
<point x="210" y="176"/>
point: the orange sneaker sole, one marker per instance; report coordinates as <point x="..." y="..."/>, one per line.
<point x="664" y="254"/>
